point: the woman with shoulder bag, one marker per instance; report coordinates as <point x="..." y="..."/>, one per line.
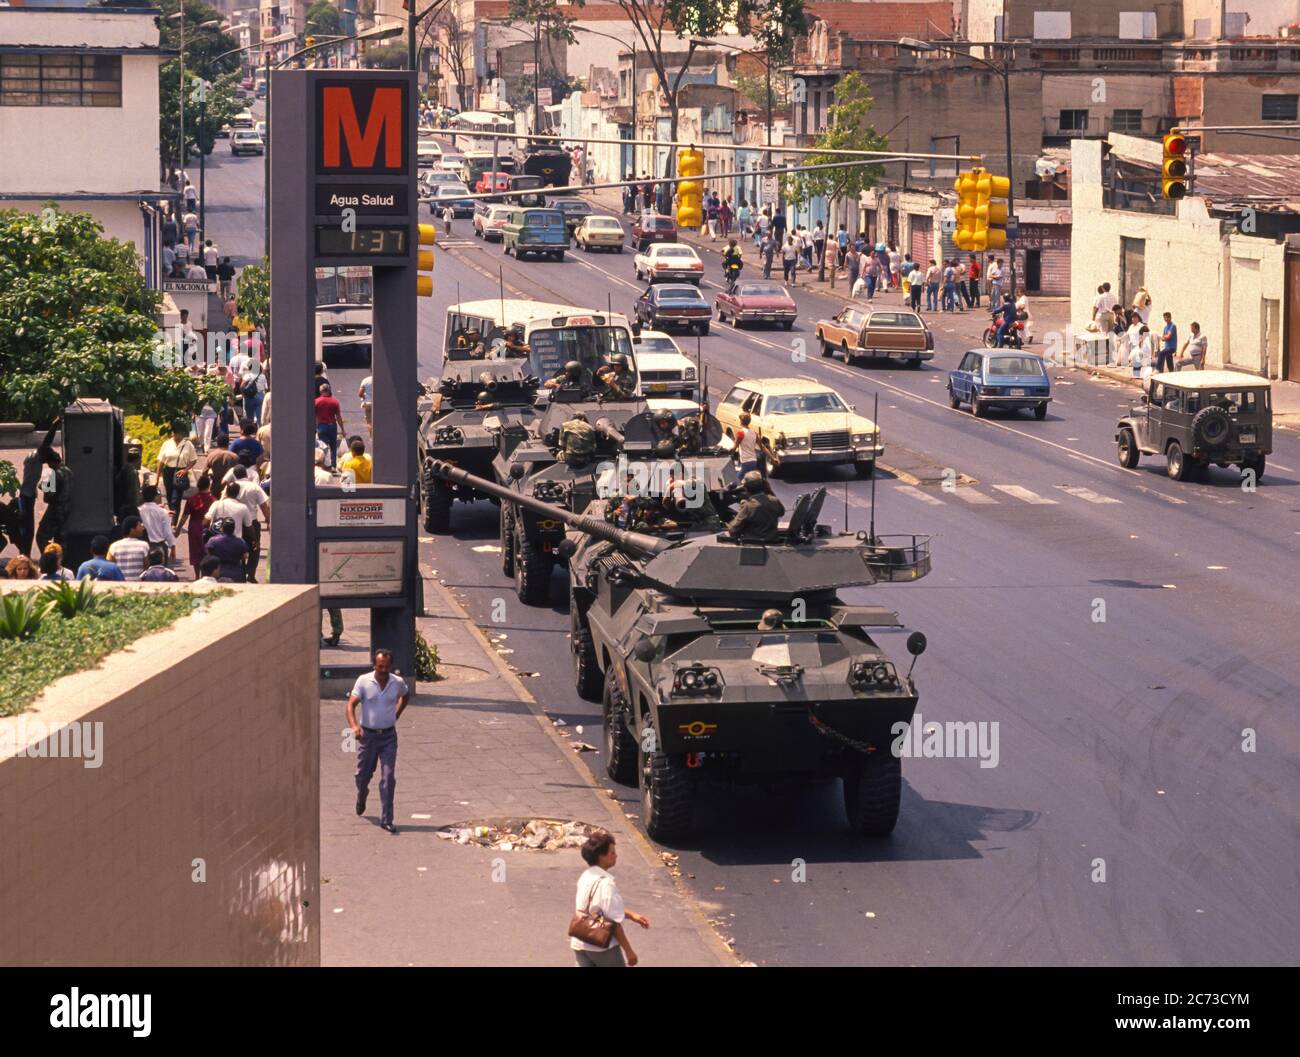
<point x="596" y="934"/>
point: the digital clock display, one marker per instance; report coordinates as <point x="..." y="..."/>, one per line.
<point x="333" y="241"/>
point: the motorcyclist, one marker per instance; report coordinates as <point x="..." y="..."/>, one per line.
<point x="1007" y="314"/>
<point x="732" y="263"/>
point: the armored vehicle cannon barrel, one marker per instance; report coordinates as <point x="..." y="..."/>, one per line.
<point x="637" y="544"/>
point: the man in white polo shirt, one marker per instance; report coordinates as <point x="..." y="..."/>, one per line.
<point x="382" y="697"/>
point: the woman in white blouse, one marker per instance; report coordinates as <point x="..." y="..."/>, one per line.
<point x="598" y="894"/>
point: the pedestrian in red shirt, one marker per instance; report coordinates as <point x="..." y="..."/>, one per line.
<point x="973" y="281"/>
<point x="329" y="423"/>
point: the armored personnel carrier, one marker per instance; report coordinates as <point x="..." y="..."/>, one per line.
<point x="458" y="425"/>
<point x="736" y="658"/>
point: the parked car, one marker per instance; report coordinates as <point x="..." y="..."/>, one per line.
<point x="453" y="192"/>
<point x="598" y="231"/>
<point x="489" y="219"/>
<point x="574" y="210"/>
<point x="662" y="367"/>
<point x="996" y="378"/>
<point x="673" y="261"/>
<point x="539" y="231"/>
<point x="491" y="182"/>
<point x="1195" y="418"/>
<point x="802" y="422"/>
<point x="675" y="305"/>
<point x="857" y="333"/>
<point x="756" y="301"/>
<point x="652" y="227"/>
<point x="246" y="141"/>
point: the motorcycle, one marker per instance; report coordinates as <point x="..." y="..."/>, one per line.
<point x="731" y="272"/>
<point x="1017" y="337"/>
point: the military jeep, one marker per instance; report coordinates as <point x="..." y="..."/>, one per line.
<point x="1194" y="418"/>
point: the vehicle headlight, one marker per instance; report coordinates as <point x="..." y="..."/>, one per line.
<point x="872" y="675"/>
<point x="548" y="491"/>
<point x="689" y="374"/>
<point x="696" y="680"/>
<point x="449" y="435"/>
<point x="861" y="438"/>
<point x="797" y="442"/>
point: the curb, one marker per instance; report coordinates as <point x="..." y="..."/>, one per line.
<point x="651" y="857"/>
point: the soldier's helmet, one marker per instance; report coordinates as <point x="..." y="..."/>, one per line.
<point x="573" y="370"/>
<point x="753" y="481"/>
<point x="581" y="416"/>
<point x="484" y="397"/>
<point x="771" y="618"/>
<point x="664" y="418"/>
<point x="619" y="360"/>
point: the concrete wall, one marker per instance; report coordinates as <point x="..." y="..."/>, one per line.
<point x="95" y="149"/>
<point x="122" y="219"/>
<point x="209" y="750"/>
<point x="1234" y="286"/>
<point x="1098" y="18"/>
<point x="1235" y="99"/>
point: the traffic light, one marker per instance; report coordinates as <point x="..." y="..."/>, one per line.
<point x="1173" y="170"/>
<point x="424" y="262"/>
<point x="981" y="222"/>
<point x="690" y="193"/>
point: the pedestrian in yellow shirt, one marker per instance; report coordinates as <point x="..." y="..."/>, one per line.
<point x="358" y="463"/>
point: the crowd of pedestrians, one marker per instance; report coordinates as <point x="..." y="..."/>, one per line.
<point x="1144" y="350"/>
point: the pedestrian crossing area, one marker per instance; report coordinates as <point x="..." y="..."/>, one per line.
<point x="1012" y="494"/>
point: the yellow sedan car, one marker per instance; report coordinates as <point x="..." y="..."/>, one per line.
<point x="594" y="230"/>
<point x="801" y="421"/>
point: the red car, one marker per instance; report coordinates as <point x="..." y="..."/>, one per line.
<point x="756" y="301"/>
<point x="491" y="182"/>
<point x="652" y="227"/>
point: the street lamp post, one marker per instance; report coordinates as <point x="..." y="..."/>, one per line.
<point x="1004" y="72"/>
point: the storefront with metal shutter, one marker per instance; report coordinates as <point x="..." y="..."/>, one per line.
<point x="1043" y="259"/>
<point x="921" y="241"/>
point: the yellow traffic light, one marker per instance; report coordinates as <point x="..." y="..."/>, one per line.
<point x="309" y="41"/>
<point x="981" y="222"/>
<point x="966" y="186"/>
<point x="690" y="193"/>
<point x="1173" y="169"/>
<point x="428" y="236"/>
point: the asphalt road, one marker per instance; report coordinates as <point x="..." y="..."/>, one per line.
<point x="1124" y="823"/>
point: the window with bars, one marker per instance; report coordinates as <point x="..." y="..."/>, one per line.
<point x="60" y="80"/>
<point x="1126" y="121"/>
<point x="1278" y="108"/>
<point x="1073" y="121"/>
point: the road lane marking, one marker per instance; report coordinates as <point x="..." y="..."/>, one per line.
<point x="1160" y="495"/>
<point x="1025" y="495"/>
<point x="973" y="497"/>
<point x="916" y="493"/>
<point x="1086" y="494"/>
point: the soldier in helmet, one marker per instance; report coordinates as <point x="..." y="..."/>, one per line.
<point x="617" y="377"/>
<point x="665" y="431"/>
<point x="771" y="620"/>
<point x="759" y="513"/>
<point x="577" y="440"/>
<point x="516" y="347"/>
<point x="570" y="376"/>
<point x="484" y="402"/>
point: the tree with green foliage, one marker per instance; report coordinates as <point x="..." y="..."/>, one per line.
<point x="385" y="56"/>
<point x="324" y="20"/>
<point x="202" y="46"/>
<point x="847" y="128"/>
<point x="664" y="26"/>
<point x="222" y="106"/>
<point x="254" y="298"/>
<point x="77" y="320"/>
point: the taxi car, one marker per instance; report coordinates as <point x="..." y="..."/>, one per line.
<point x="605" y="232"/>
<point x="802" y="422"/>
<point x="1195" y="418"/>
<point x="860" y="333"/>
<point x="672" y="261"/>
<point x="661" y="366"/>
<point x="1003" y="378"/>
<point x="756" y="301"/>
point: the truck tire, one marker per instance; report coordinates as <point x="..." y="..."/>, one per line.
<point x="1128" y="449"/>
<point x="872" y="791"/>
<point x="1211" y="427"/>
<point x="587" y="676"/>
<point x="665" y="786"/>
<point x="507" y="531"/>
<point x="1177" y="464"/>
<point x="620" y="745"/>
<point x="437" y="507"/>
<point x="532" y="572"/>
<point x="1255" y="463"/>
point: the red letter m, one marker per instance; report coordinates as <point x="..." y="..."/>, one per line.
<point x="339" y="122"/>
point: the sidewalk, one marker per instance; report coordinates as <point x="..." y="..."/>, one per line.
<point x="474" y="746"/>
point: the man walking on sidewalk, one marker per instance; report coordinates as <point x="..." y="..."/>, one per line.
<point x="382" y="697"/>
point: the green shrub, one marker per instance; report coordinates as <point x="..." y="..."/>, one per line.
<point x="21" y="614"/>
<point x="70" y="601"/>
<point x="426" y="658"/>
<point x="151" y="436"/>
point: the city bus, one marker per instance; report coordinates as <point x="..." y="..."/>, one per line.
<point x="482" y="121"/>
<point x="344" y="314"/>
<point x="478" y="161"/>
<point x="555" y="334"/>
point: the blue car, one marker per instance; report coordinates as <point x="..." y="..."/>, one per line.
<point x="1000" y="378"/>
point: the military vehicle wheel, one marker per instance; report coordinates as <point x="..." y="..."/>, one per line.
<point x="665" y="789"/>
<point x="1257" y="464"/>
<point x="620" y="745"/>
<point x="1178" y="465"/>
<point x="1128" y="449"/>
<point x="507" y="530"/>
<point x="532" y="573"/>
<point x="437" y="507"/>
<point x="1040" y="411"/>
<point x="586" y="672"/>
<point x="871" y="794"/>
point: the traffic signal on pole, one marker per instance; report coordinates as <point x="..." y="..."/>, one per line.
<point x="424" y="263"/>
<point x="981" y="221"/>
<point x="309" y="41"/>
<point x="1173" y="169"/>
<point x="690" y="193"/>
